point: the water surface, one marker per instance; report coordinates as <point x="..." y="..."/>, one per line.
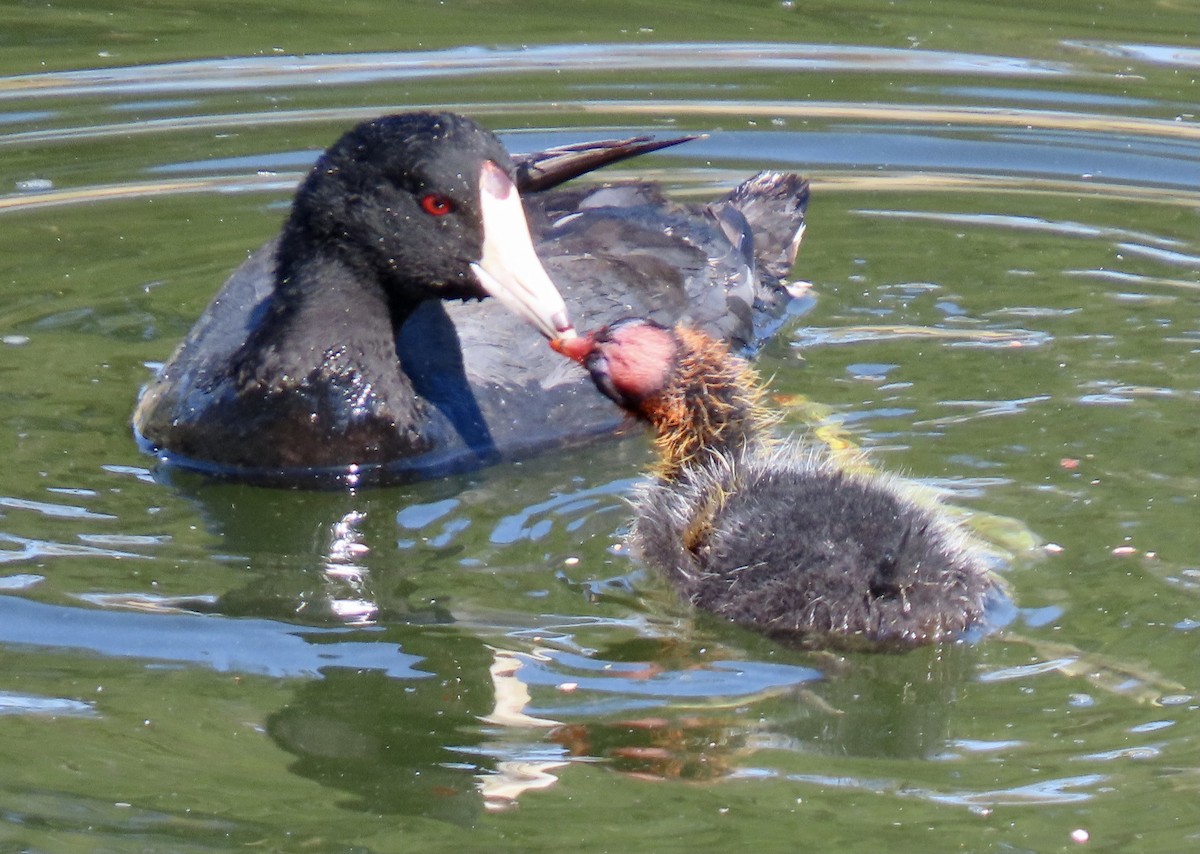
<point x="1004" y="250"/>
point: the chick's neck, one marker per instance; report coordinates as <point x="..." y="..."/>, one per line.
<point x="711" y="406"/>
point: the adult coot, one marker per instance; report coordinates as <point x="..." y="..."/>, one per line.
<point x="332" y="354"/>
<point x="775" y="535"/>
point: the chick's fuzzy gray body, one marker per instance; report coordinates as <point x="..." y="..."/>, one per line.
<point x="788" y="541"/>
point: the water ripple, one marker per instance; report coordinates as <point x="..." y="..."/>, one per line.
<point x="258" y="646"/>
<point x="1175" y="259"/>
<point x="983" y="409"/>
<point x="1043" y="792"/>
<point x="1155" y="54"/>
<point x="244" y="74"/>
<point x="1064" y="228"/>
<point x="625" y="685"/>
<point x="1052" y="791"/>
<point x="54" y="707"/>
<point x="32" y="549"/>
<point x="1149" y="751"/>
<point x="1022" y="671"/>
<point x="1134" y="278"/>
<point x="817" y="336"/>
<point x="55" y="511"/>
<point x="528" y="524"/>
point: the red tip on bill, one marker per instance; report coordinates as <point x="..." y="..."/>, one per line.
<point x="573" y="348"/>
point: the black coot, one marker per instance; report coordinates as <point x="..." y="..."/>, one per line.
<point x="332" y="354"/>
<point x="775" y="535"/>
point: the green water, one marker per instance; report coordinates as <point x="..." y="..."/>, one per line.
<point x="1004" y="245"/>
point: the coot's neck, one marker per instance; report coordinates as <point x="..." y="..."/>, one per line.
<point x="709" y="408"/>
<point x="327" y="320"/>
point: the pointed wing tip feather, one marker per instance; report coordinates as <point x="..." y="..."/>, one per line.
<point x="546" y="169"/>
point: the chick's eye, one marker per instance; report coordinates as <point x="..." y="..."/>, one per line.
<point x="435" y="204"/>
<point x="597" y="366"/>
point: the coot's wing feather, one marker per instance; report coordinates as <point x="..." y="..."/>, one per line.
<point x="613" y="252"/>
<point x="181" y="392"/>
<point x="545" y="169"/>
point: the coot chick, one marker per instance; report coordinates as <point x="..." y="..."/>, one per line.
<point x="331" y="354"/>
<point x="769" y="534"/>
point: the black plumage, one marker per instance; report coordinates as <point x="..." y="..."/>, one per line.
<point x="335" y="350"/>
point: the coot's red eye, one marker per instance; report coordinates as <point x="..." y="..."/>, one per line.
<point x="435" y="204"/>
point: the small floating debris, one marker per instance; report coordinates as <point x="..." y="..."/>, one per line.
<point x="1079" y="836"/>
<point x="1124" y="551"/>
<point x="35" y="185"/>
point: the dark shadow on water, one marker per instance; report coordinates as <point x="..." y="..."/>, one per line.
<point x="867" y="705"/>
<point x="396" y="747"/>
<point x="891" y="706"/>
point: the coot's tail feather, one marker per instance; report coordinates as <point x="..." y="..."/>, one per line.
<point x="774" y="205"/>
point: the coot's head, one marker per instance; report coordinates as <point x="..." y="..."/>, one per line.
<point x="425" y="204"/>
<point x="633" y="361"/>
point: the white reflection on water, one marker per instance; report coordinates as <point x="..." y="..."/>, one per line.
<point x="533" y="523"/>
<point x="56" y="511"/>
<point x="52" y="707"/>
<point x="226" y="645"/>
<point x="1058" y="790"/>
<point x="14" y="549"/>
<point x="1065" y="228"/>
<point x="816" y="336"/>
<point x="260" y="72"/>
<point x="1156" y="54"/>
